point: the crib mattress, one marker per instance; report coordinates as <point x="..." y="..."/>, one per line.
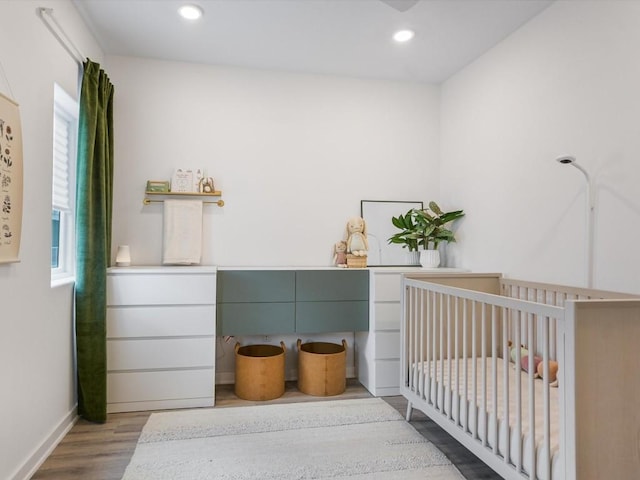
<point x="444" y="389"/>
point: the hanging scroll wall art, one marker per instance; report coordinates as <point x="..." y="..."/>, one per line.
<point x="10" y="180"/>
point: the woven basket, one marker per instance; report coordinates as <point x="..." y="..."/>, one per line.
<point x="354" y="261"/>
<point x="259" y="371"/>
<point x="322" y="368"/>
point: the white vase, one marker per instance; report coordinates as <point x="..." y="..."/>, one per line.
<point x="123" y="256"/>
<point x="430" y="258"/>
<point x="412" y="258"/>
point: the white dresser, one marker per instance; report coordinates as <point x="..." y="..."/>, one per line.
<point x="378" y="350"/>
<point x="161" y="324"/>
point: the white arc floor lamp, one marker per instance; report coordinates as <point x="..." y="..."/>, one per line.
<point x="570" y="160"/>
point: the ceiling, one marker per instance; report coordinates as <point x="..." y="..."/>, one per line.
<point x="335" y="37"/>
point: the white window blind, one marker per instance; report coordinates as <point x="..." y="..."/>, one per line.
<point x="65" y="131"/>
<point x="61" y="159"/>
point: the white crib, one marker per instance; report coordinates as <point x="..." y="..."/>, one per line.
<point x="457" y="367"/>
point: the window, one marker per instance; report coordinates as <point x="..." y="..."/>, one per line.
<point x="65" y="128"/>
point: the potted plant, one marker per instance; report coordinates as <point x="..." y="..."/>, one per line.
<point x="424" y="230"/>
<point x="408" y="238"/>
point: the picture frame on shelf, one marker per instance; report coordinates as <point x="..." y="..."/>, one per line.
<point x="157" y="186"/>
<point x="182" y="181"/>
<point x="377" y="214"/>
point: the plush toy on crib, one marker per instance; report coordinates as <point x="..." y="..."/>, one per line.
<point x="357" y="243"/>
<point x="553" y="372"/>
<point x="340" y="254"/>
<point x="538" y="364"/>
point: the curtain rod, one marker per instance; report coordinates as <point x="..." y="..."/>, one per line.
<point x="46" y="15"/>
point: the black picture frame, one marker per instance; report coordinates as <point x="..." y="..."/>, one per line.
<point x="377" y="216"/>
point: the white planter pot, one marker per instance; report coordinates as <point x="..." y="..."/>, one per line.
<point x="412" y="258"/>
<point x="430" y="258"/>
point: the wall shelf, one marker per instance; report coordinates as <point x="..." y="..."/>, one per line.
<point x="216" y="193"/>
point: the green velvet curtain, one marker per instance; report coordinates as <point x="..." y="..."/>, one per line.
<point x="94" y="190"/>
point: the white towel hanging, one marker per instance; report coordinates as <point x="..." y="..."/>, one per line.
<point x="182" y="242"/>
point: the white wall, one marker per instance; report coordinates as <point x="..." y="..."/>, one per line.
<point x="293" y="155"/>
<point x="36" y="351"/>
<point x="565" y="83"/>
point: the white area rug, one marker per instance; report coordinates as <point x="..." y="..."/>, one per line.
<point x="363" y="438"/>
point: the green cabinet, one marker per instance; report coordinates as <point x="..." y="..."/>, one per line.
<point x="266" y="302"/>
<point x="332" y="285"/>
<point x="254" y="286"/>
<point x="332" y="301"/>
<point x="319" y="317"/>
<point x="256" y="302"/>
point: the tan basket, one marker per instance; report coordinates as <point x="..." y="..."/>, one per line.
<point x="259" y="371"/>
<point x="322" y="369"/>
<point x="354" y="261"/>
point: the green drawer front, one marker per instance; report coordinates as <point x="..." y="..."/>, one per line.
<point x="256" y="286"/>
<point x="319" y="317"/>
<point x="255" y="318"/>
<point x="331" y="285"/>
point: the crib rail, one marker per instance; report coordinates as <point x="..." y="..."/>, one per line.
<point x="550" y="294"/>
<point x="459" y="361"/>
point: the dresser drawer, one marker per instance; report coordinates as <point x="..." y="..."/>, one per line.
<point x="160" y="353"/>
<point x="160" y="321"/>
<point x="313" y="285"/>
<point x="387" y="373"/>
<point x="318" y="317"/>
<point x="161" y="289"/>
<point x="256" y="286"/>
<point x="156" y="386"/>
<point x="387" y="287"/>
<point x="387" y="316"/>
<point x="256" y="318"/>
<point x="387" y="345"/>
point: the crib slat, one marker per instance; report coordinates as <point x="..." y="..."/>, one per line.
<point x="449" y="382"/>
<point x="424" y="356"/>
<point x="494" y="377"/>
<point x="427" y="359"/>
<point x="407" y="341"/>
<point x="456" y="356"/>
<point x="431" y="335"/>
<point x="505" y="382"/>
<point x="485" y="429"/>
<point x="424" y="360"/>
<point x="465" y="372"/>
<point x="416" y="359"/>
<point x="412" y="319"/>
<point x="474" y="371"/>
<point x="532" y="403"/>
<point x="440" y="394"/>
<point x="518" y="360"/>
<point x="418" y="332"/>
<point x="547" y="401"/>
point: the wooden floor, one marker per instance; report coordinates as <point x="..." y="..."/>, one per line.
<point x="102" y="452"/>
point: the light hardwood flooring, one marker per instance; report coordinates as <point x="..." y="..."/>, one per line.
<point x="102" y="451"/>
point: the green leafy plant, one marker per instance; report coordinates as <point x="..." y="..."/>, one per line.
<point x="425" y="228"/>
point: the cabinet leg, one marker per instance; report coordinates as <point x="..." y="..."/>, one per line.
<point x="409" y="412"/>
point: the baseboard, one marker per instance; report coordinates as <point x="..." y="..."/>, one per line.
<point x="227" y="378"/>
<point x="40" y="454"/>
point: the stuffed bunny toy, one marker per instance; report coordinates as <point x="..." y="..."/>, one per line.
<point x="340" y="254"/>
<point x="357" y="243"/>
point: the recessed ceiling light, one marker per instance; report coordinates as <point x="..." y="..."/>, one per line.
<point x="402" y="36"/>
<point x="190" y="12"/>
